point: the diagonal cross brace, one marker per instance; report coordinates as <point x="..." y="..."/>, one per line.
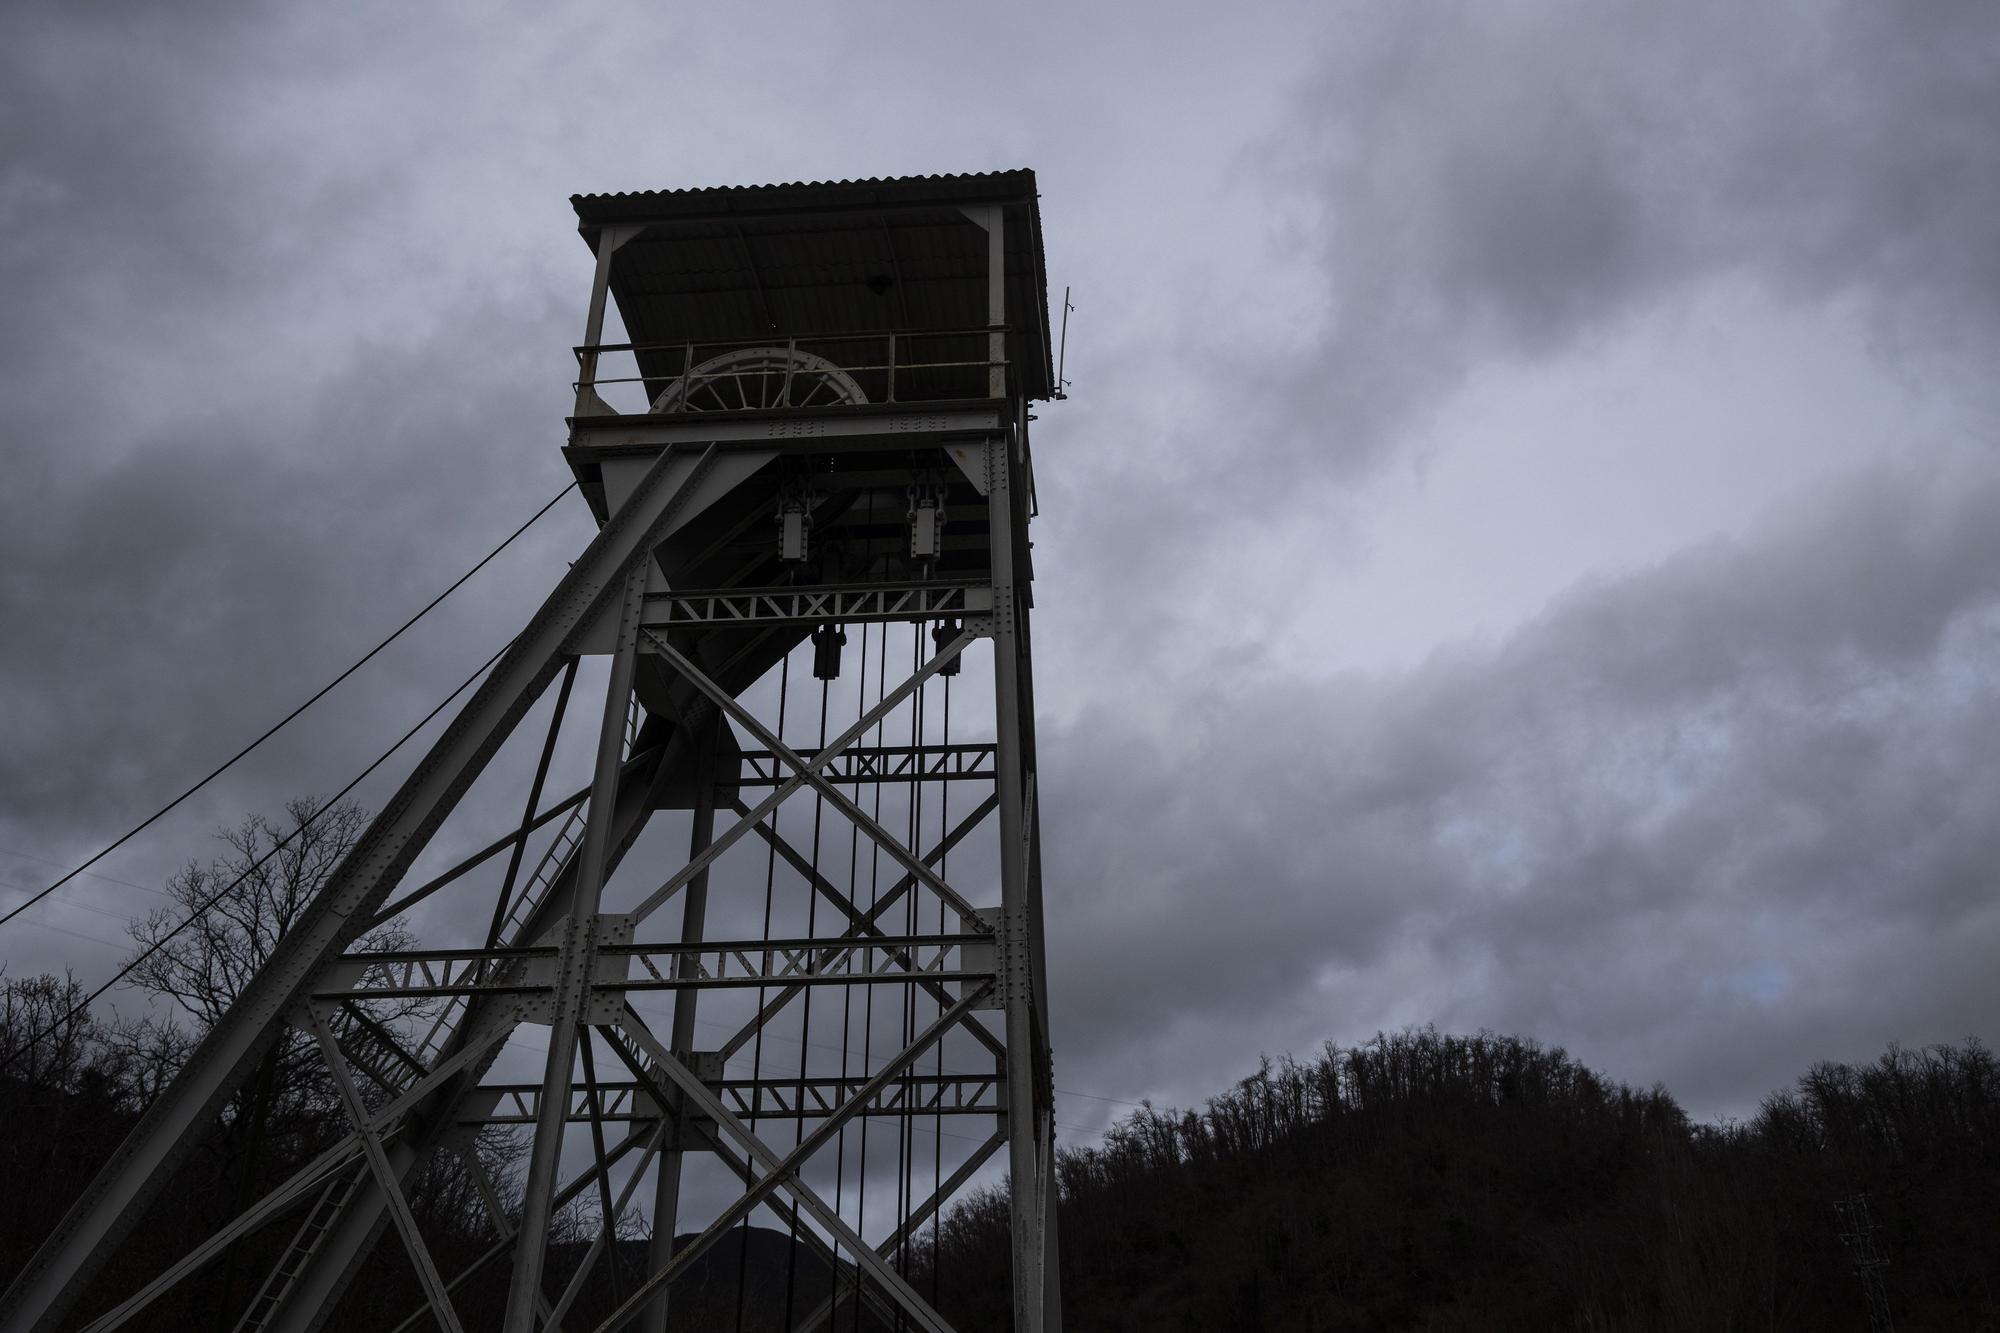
<point x="314" y="1173"/>
<point x="809" y="770"/>
<point x="342" y="1154"/>
<point x="583" y="1182"/>
<point x="44" y="1289"/>
<point x="608" y="1233"/>
<point x="918" y="1216"/>
<point x="782" y="1173"/>
<point x="789" y="1214"/>
<point x="861" y="923"/>
<point x="385" y="1176"/>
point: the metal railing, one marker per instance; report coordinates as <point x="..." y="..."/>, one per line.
<point x="810" y="371"/>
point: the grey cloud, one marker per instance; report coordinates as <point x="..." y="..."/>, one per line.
<point x="1736" y="794"/>
<point x="200" y="587"/>
<point x="1459" y="191"/>
<point x="231" y="465"/>
<point x="1483" y="182"/>
<point x="1698" y="799"/>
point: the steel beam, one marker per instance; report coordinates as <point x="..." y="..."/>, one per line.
<point x="817" y="604"/>
<point x="428" y="1276"/>
<point x="481" y="1024"/>
<point x="586" y="1180"/>
<point x="783" y="1172"/>
<point x="809" y="770"/>
<point x="615" y="599"/>
<point x="866" y="764"/>
<point x="674" y="488"/>
<point x="806" y="771"/>
<point x="694" y="926"/>
<point x="1030" y="1147"/>
<point x="758" y="1099"/>
<point x="901" y="1235"/>
<point x="575" y="964"/>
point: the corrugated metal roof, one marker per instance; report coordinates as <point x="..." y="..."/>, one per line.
<point x="749" y="264"/>
<point x="593" y="210"/>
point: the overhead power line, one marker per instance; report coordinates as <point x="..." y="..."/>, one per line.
<point x="84" y="1004"/>
<point x="108" y="879"/>
<point x="287" y="719"/>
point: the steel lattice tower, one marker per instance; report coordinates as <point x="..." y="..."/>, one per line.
<point x="817" y="432"/>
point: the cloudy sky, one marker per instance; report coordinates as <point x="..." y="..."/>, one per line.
<point x="1522" y="552"/>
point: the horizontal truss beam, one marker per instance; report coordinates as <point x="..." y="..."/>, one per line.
<point x="670" y="490"/>
<point x="819" y="961"/>
<point x="790" y="431"/>
<point x="876" y="763"/>
<point x="842" y="603"/>
<point x="765" y="1098"/>
<point x="783" y="1172"/>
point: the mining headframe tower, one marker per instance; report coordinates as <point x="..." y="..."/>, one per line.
<point x="782" y="955"/>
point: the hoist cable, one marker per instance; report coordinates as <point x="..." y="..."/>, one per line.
<point x="847" y="992"/>
<point x="907" y="1166"/>
<point x="937" y="1126"/>
<point x="287" y="719"/>
<point x="805" y="1020"/>
<point x="757" y="1047"/>
<point x="868" y="992"/>
<point x="255" y="866"/>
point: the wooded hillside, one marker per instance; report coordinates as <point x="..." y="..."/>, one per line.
<point x="1435" y="1182"/>
<point x="1421" y="1181"/>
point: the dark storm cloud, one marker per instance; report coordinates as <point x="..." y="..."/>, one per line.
<point x="1701" y="821"/>
<point x="1481" y="182"/>
<point x="1697" y="821"/>
<point x="1683" y="812"/>
<point x="223" y="482"/>
<point x="1458" y="191"/>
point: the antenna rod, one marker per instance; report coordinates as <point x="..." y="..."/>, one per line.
<point x="1062" y="345"/>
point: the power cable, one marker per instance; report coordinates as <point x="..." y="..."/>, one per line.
<point x="119" y="917"/>
<point x="1098" y="1097"/>
<point x="254" y="867"/>
<point x="286" y="720"/>
<point x="78" y="934"/>
<point x="108" y="879"/>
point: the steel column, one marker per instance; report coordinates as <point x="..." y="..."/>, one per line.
<point x="575" y="959"/>
<point x="694" y="923"/>
<point x="1028" y="1132"/>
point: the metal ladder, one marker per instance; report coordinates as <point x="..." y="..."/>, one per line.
<point x="318" y="1222"/>
<point x="361" y="1047"/>
<point x="569" y="836"/>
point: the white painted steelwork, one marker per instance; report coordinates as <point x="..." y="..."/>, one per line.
<point x="684" y="593"/>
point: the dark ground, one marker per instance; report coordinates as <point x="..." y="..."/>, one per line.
<point x="1420" y="1182"/>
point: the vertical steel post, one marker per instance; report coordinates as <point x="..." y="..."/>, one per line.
<point x="694" y="921"/>
<point x="587" y="399"/>
<point x="996" y="302"/>
<point x="599" y="607"/>
<point x="1028" y="1137"/>
<point x="576" y="959"/>
<point x="1025" y="1166"/>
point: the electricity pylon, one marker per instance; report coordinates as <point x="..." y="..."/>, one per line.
<point x="825" y="430"/>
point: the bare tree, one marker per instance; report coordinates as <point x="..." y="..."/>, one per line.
<point x="71" y="1086"/>
<point x="237" y="907"/>
<point x="261" y="886"/>
<point x="47" y="1037"/>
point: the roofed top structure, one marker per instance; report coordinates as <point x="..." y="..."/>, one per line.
<point x="832" y="268"/>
